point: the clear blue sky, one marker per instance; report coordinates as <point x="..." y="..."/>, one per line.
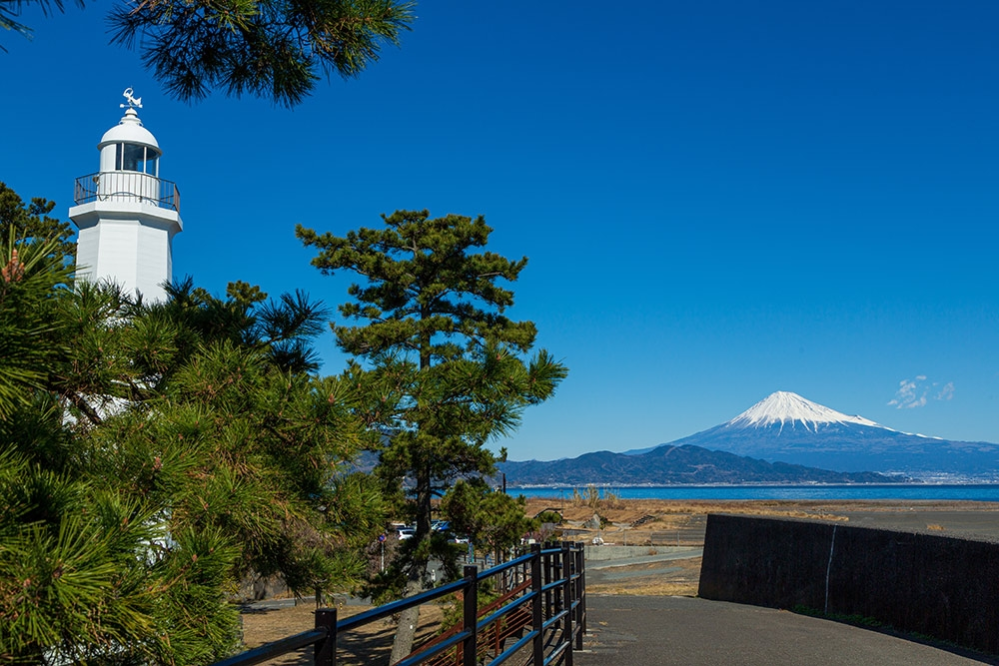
<point x="718" y="199"/>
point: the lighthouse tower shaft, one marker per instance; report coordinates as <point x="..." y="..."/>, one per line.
<point x="127" y="215"/>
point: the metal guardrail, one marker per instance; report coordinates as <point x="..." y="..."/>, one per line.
<point x="556" y="595"/>
<point x="127" y="186"/>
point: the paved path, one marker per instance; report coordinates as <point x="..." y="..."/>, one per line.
<point x="674" y="554"/>
<point x="648" y="631"/>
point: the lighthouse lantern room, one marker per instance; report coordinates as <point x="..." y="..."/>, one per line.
<point x="127" y="215"/>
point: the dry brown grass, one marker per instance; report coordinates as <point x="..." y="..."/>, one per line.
<point x="629" y="510"/>
<point x="663" y="522"/>
<point x="665" y="514"/>
<point x="370" y="644"/>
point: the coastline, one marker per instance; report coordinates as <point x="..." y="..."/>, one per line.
<point x="601" y="485"/>
<point x="983" y="492"/>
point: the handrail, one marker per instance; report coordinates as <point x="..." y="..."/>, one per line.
<point x="506" y="610"/>
<point x="394" y="607"/>
<point x="276" y="649"/>
<point x="429" y="653"/>
<point x="489" y="608"/>
<point x="554" y="619"/>
<point x="557" y="603"/>
<point x="512" y="650"/>
<point x="127" y="186"/>
<point x="499" y="568"/>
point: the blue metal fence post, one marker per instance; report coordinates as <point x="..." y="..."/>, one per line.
<point x="471" y="616"/>
<point x="325" y="650"/>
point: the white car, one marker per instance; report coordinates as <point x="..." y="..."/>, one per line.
<point x="405" y="533"/>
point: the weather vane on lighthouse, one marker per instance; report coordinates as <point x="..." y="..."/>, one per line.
<point x="133" y="102"/>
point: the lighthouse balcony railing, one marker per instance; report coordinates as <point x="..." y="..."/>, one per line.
<point x="127" y="186"/>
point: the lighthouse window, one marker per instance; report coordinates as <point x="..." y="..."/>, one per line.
<point x="130" y="157"/>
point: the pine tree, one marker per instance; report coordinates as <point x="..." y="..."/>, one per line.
<point x="32" y="222"/>
<point x="34" y="281"/>
<point x="446" y="371"/>
<point x="153" y="454"/>
<point x="490" y="519"/>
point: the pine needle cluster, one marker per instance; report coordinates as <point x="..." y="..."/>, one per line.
<point x="268" y="48"/>
<point x="274" y="49"/>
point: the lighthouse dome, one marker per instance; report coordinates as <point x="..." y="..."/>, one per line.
<point x="129" y="130"/>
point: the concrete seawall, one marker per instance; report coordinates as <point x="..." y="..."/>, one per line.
<point x="943" y="587"/>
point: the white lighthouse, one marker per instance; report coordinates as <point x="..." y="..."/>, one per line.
<point x="127" y="215"/>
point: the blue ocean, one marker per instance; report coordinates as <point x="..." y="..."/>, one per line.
<point x="978" y="493"/>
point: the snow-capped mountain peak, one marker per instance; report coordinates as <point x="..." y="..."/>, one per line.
<point x="788" y="408"/>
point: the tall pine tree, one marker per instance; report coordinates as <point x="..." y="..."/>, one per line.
<point x="446" y="369"/>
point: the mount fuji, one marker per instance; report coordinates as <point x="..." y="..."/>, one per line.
<point x="781" y="439"/>
<point x="788" y="428"/>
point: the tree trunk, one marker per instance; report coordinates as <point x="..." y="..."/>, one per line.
<point x="405" y="633"/>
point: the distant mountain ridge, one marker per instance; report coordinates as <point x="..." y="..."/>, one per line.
<point x="670" y="465"/>
<point x="802" y="442"/>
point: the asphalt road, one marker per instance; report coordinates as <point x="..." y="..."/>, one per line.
<point x="648" y="631"/>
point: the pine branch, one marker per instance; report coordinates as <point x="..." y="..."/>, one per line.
<point x="79" y="402"/>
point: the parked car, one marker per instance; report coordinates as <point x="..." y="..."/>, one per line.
<point x="405" y="533"/>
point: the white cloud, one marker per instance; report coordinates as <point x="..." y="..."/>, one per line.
<point x="907" y="394"/>
<point x="913" y="393"/>
<point x="947" y="392"/>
